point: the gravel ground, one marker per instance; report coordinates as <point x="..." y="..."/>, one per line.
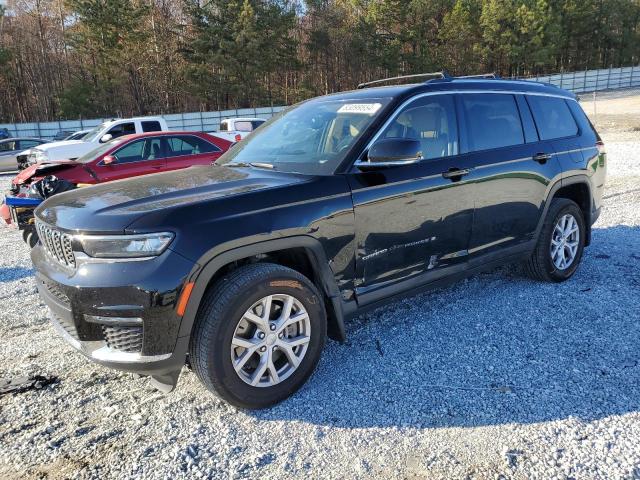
<point x="495" y="377"/>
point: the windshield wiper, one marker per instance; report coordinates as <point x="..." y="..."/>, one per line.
<point x="263" y="165"/>
<point x="245" y="165"/>
<point x="232" y="164"/>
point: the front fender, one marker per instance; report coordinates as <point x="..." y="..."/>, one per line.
<point x="218" y="257"/>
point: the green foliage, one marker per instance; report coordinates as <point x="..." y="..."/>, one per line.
<point x="77" y="100"/>
<point x="236" y="46"/>
<point x="108" y="34"/>
<point x="154" y="56"/>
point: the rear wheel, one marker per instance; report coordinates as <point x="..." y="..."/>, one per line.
<point x="258" y="335"/>
<point x="560" y="244"/>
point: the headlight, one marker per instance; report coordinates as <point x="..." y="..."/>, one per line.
<point x="38" y="156"/>
<point x="125" y="246"/>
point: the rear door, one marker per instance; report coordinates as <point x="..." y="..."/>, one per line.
<point x="187" y="150"/>
<point x="512" y="172"/>
<point x="138" y="157"/>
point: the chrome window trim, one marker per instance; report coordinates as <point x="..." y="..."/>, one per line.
<point x="414" y="98"/>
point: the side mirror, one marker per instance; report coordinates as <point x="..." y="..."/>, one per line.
<point x="105" y="138"/>
<point x="393" y="151"/>
<point x="109" y="160"/>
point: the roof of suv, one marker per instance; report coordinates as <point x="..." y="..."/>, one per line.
<point x="455" y="84"/>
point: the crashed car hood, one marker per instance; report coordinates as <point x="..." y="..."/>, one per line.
<point x="110" y="207"/>
<point x="41" y="169"/>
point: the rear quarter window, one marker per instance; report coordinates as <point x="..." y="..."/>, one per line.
<point x="552" y="116"/>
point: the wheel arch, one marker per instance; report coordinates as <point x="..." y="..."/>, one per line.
<point x="578" y="189"/>
<point x="215" y="264"/>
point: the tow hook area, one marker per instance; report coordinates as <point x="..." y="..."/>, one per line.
<point x="167" y="382"/>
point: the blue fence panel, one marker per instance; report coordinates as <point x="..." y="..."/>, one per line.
<point x="594" y="80"/>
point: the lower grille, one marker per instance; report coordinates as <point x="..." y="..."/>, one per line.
<point x="124" y="339"/>
<point x="67" y="326"/>
<point x="57" y="292"/>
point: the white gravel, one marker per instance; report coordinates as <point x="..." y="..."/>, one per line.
<point x="495" y="377"/>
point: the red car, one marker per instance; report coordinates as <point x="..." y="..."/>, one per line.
<point x="126" y="156"/>
<point x="130" y="156"/>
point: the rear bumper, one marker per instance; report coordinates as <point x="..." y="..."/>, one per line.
<point x="118" y="314"/>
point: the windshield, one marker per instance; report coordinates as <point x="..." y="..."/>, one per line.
<point x="96" y="152"/>
<point x="93" y="132"/>
<point x="312" y="137"/>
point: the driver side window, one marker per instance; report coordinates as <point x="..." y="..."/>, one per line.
<point x="140" y="150"/>
<point x="432" y="121"/>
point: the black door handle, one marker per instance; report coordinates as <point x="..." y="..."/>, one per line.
<point x="541" y="158"/>
<point x="456" y="173"/>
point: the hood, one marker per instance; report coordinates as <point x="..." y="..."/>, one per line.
<point x="110" y="207"/>
<point x="41" y="169"/>
<point x="68" y="149"/>
<point x="63" y="143"/>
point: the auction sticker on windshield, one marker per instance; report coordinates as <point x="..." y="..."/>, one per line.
<point x="364" y="108"/>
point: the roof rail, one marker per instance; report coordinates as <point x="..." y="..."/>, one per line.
<point x="481" y="75"/>
<point x="404" y="77"/>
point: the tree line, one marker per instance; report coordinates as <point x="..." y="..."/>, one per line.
<point x="98" y="58"/>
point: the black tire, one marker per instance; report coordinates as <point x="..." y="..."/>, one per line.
<point x="222" y="308"/>
<point x="32" y="239"/>
<point x="540" y="265"/>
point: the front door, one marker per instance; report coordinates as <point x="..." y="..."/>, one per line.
<point x="139" y="157"/>
<point x="413" y="222"/>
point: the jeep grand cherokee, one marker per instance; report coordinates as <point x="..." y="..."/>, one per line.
<point x="336" y="205"/>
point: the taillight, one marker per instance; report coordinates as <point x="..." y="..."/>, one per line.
<point x="238" y="137"/>
<point x="600" y="147"/>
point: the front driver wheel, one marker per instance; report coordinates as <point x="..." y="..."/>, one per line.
<point x="561" y="243"/>
<point x="258" y="335"/>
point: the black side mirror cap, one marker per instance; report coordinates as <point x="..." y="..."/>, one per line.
<point x="391" y="152"/>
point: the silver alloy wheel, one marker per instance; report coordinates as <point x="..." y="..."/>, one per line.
<point x="564" y="242"/>
<point x="270" y="340"/>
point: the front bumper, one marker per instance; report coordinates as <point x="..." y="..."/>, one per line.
<point x="118" y="314"/>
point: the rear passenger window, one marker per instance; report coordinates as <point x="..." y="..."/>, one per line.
<point x="493" y="121"/>
<point x="244" y="126"/>
<point x="552" y="116"/>
<point x="151" y="126"/>
<point x="432" y="120"/>
<point x="189" y="145"/>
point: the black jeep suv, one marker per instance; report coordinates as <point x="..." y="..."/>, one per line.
<point x="338" y="204"/>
